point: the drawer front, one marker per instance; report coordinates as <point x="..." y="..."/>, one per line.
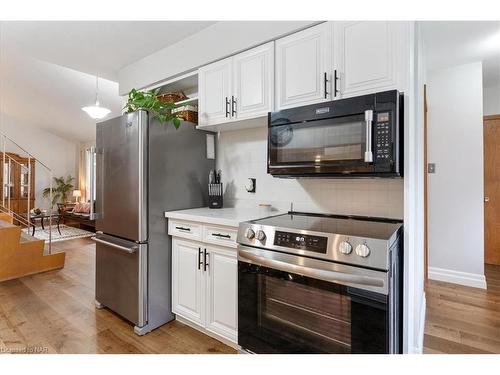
<point x="222" y="236"/>
<point x="184" y="229"/>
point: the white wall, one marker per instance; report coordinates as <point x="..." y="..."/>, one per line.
<point x="242" y="154"/>
<point x="212" y="43"/>
<point x="491" y="100"/>
<point x="455" y="144"/>
<point x="57" y="153"/>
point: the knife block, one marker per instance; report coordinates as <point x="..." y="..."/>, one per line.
<point x="215" y="195"/>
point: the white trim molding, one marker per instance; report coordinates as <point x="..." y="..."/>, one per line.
<point x="419" y="345"/>
<point x="456" y="277"/>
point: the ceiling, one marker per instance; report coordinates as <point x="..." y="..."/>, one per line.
<point x="449" y="43"/>
<point x="47" y="69"/>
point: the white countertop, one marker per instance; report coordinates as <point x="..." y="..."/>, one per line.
<point x="222" y="216"/>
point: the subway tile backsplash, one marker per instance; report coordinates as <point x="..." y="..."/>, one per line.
<point x="242" y="154"/>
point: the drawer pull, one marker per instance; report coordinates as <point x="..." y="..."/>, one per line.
<point x="182" y="228"/>
<point x="221" y="235"/>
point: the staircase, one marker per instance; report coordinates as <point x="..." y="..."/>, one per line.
<point x="20" y="253"/>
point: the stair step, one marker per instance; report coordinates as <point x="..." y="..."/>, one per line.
<point x="5" y="216"/>
<point x="28" y="238"/>
<point x="4" y="224"/>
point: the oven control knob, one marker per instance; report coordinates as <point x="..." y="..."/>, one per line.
<point x="362" y="250"/>
<point x="261" y="236"/>
<point x="250" y="233"/>
<point x="345" y="247"/>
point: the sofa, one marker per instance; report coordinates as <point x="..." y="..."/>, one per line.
<point x="79" y="216"/>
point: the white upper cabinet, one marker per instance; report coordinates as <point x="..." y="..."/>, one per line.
<point x="237" y="88"/>
<point x="329" y="61"/>
<point x="303" y="67"/>
<point x="369" y="56"/>
<point x="214" y="85"/>
<point x="253" y="82"/>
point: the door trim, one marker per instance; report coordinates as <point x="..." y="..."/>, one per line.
<point x="426" y="192"/>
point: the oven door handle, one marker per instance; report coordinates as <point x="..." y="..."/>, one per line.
<point x="369" y="121"/>
<point x="325" y="275"/>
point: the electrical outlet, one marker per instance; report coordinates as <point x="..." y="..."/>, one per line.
<point x="251" y="185"/>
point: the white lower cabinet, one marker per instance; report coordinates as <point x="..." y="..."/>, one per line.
<point x="205" y="286"/>
<point x="222" y="292"/>
<point x="188" y="296"/>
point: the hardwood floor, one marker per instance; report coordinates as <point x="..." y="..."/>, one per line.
<point x="461" y="319"/>
<point x="54" y="312"/>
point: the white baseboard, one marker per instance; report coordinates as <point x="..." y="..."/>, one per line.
<point x="456" y="277"/>
<point x="419" y="347"/>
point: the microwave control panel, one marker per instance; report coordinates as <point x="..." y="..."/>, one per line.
<point x="315" y="244"/>
<point x="383" y="137"/>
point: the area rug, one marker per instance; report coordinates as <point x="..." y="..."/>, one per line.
<point x="67" y="233"/>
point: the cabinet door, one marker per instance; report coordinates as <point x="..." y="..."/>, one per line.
<point x="368" y="56"/>
<point x="188" y="287"/>
<point x="222" y="292"/>
<point x="214" y="85"/>
<point x="302" y="59"/>
<point x="253" y="82"/>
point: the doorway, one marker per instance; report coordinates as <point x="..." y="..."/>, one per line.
<point x="491" y="134"/>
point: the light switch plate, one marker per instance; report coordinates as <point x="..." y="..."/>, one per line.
<point x="431" y="167"/>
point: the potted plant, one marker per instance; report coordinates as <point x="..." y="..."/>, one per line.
<point x="149" y="101"/>
<point x="60" y="190"/>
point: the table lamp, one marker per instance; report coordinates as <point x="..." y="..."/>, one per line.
<point x="77" y="194"/>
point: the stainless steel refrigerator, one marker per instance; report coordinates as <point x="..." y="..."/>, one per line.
<point x="143" y="169"/>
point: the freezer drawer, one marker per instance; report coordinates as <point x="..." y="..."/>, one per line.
<point x="121" y="277"/>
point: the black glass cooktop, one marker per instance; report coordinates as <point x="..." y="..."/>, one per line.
<point x="344" y="225"/>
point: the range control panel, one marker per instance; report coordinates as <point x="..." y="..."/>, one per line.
<point x="383" y="137"/>
<point x="315" y="244"/>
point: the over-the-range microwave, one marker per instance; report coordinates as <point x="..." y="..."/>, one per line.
<point x="354" y="137"/>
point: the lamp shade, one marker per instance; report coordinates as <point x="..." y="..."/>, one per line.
<point x="96" y="112"/>
<point x="77" y="193"/>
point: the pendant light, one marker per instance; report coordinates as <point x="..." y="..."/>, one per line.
<point x="96" y="111"/>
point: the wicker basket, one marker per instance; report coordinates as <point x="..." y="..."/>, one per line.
<point x="171" y="97"/>
<point x="190" y="116"/>
<point x="187" y="113"/>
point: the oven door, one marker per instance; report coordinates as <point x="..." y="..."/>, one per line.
<point x="336" y="145"/>
<point x="289" y="304"/>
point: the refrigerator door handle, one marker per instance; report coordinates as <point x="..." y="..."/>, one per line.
<point x="130" y="250"/>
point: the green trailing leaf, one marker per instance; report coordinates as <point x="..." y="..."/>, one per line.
<point x="177" y="122"/>
<point x="148" y="100"/>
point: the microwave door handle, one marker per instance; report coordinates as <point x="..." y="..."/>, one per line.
<point x="369" y="120"/>
<point x="325" y="275"/>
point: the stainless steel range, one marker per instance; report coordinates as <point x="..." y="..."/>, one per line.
<point x="320" y="284"/>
